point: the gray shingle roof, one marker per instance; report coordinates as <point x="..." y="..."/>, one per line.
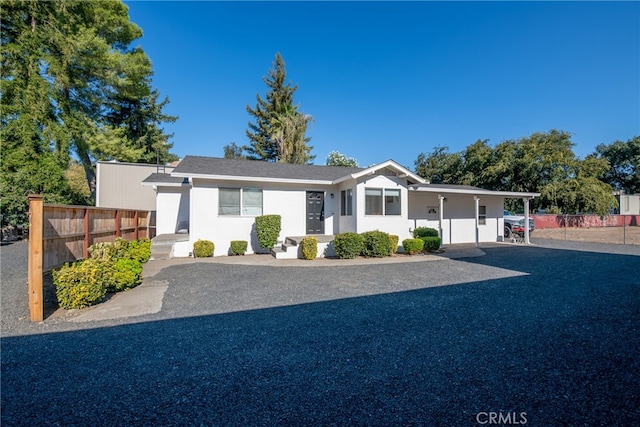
<point x="197" y="165"/>
<point x="450" y="187"/>
<point x="163" y="178"/>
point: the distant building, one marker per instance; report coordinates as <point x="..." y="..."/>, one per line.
<point x="629" y="204"/>
<point x="119" y="185"/>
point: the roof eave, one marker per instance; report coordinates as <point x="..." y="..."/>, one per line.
<point x="252" y="179"/>
<point x="478" y="192"/>
<point x="406" y="173"/>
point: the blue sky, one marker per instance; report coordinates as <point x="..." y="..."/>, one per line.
<point x="395" y="79"/>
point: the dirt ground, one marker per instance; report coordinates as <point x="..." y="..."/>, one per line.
<point x="620" y="235"/>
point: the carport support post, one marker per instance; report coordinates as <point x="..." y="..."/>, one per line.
<point x="477" y="200"/>
<point x="526" y="220"/>
<point x="441" y="218"/>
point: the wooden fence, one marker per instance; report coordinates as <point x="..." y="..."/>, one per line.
<point x="63" y="233"/>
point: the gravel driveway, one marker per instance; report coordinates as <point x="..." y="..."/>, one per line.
<point x="546" y="334"/>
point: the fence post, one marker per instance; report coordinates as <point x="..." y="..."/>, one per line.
<point x="36" y="219"/>
<point x="85" y="246"/>
<point x="566" y="219"/>
<point x="624" y="229"/>
<point x="117" y="220"/>
<point x="135" y="220"/>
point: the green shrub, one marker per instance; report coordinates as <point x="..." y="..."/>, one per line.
<point x="348" y="245"/>
<point x="267" y="230"/>
<point x="393" y="243"/>
<point x="309" y="246"/>
<point x="140" y="250"/>
<point x="102" y="251"/>
<point x="431" y="243"/>
<point x="412" y="246"/>
<point x="375" y="244"/>
<point x="203" y="248"/>
<point x="81" y="284"/>
<point x="421" y="232"/>
<point x="239" y="247"/>
<point x="126" y="274"/>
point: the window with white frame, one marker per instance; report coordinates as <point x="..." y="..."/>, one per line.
<point x="240" y="202"/>
<point x="382" y="201"/>
<point x="482" y="215"/>
<point x="346" y="202"/>
<point x="392" y="201"/>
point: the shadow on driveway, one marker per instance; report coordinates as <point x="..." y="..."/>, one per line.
<point x="560" y="344"/>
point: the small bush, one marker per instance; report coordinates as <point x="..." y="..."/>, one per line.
<point x="412" y="246"/>
<point x="268" y="229"/>
<point x="102" y="251"/>
<point x="80" y="284"/>
<point x="393" y="243"/>
<point x="140" y="250"/>
<point x="421" y="232"/>
<point x="309" y="247"/>
<point x="126" y="274"/>
<point x="239" y="247"/>
<point x="121" y="248"/>
<point x="203" y="248"/>
<point x="376" y="244"/>
<point x="431" y="243"/>
<point x="348" y="245"/>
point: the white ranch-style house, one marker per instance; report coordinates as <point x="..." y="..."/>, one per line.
<point x="218" y="199"/>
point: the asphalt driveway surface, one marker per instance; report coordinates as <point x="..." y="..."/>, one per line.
<point x="542" y="336"/>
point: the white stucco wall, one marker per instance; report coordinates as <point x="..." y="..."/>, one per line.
<point x="285" y="200"/>
<point x="345" y="223"/>
<point x="392" y="224"/>
<point x="172" y="208"/>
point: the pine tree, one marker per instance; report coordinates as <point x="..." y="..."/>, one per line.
<point x="278" y="134"/>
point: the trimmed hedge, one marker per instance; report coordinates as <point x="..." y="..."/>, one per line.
<point x="376" y="244"/>
<point x="268" y="229"/>
<point x="239" y="247"/>
<point x="203" y="248"/>
<point x="421" y="232"/>
<point x="309" y="247"/>
<point x="348" y="245"/>
<point x="81" y="284"/>
<point x="412" y="246"/>
<point x="140" y="250"/>
<point x="393" y="242"/>
<point x="431" y="244"/>
<point x="126" y="274"/>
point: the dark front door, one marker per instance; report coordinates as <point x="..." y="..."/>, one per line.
<point x="315" y="212"/>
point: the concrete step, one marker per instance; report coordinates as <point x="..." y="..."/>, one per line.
<point x="162" y="245"/>
<point x="285" y="251"/>
<point x="161" y="252"/>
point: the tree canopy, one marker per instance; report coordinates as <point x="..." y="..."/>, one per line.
<point x="279" y="131"/>
<point x="543" y="162"/>
<point x="624" y="164"/>
<point x="335" y="158"/>
<point x="72" y="88"/>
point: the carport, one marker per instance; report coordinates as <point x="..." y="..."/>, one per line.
<point x="465" y="214"/>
